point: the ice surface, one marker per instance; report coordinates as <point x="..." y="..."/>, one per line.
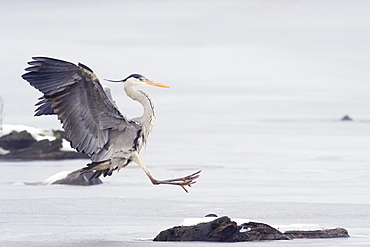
<point x="257" y="89"/>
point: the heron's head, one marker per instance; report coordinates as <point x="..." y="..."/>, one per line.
<point x="139" y="80"/>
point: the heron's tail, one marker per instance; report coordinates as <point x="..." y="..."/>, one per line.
<point x="98" y="169"/>
<point x="106" y="167"/>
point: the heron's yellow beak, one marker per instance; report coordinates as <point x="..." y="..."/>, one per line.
<point x="152" y="83"/>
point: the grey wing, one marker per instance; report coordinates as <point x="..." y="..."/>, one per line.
<point x="74" y="93"/>
<point x="44" y="107"/>
<point x="109" y="95"/>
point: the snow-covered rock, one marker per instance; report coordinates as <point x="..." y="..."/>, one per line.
<point x="21" y="142"/>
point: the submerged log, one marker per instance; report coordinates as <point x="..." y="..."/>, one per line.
<point x="326" y="233"/>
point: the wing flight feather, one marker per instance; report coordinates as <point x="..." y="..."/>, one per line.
<point x="74" y="93"/>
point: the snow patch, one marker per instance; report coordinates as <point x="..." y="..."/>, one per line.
<point x="299" y="227"/>
<point x="56" y="177"/>
<point x="281" y="228"/>
<point x="3" y="151"/>
<point x="36" y="133"/>
<point x="66" y="146"/>
<point x="195" y="221"/>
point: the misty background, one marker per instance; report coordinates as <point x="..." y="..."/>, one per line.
<point x="257" y="91"/>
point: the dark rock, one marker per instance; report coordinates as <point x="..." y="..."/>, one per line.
<point x="43" y="150"/>
<point x="224" y="230"/>
<point x="218" y="230"/>
<point x="23" y="146"/>
<point x="327" y="233"/>
<point x="221" y="230"/>
<point x="17" y="140"/>
<point x="211" y="215"/>
<point x="346" y="118"/>
<point x="76" y="178"/>
<point x="254" y="231"/>
<point x="46" y="146"/>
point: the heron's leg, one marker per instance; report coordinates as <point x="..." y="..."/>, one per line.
<point x="135" y="157"/>
<point x="183" y="181"/>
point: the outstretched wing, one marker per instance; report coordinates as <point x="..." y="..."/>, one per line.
<point x="44" y="107"/>
<point x="74" y="93"/>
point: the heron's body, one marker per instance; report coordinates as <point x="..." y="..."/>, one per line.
<point x="90" y="117"/>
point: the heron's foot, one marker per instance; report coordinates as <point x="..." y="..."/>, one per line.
<point x="183" y="181"/>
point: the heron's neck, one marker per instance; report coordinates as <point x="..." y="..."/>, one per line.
<point x="148" y="117"/>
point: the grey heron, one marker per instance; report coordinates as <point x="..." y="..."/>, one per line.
<point x="91" y="119"/>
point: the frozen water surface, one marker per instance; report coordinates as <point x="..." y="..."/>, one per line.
<point x="128" y="210"/>
<point x="257" y="89"/>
